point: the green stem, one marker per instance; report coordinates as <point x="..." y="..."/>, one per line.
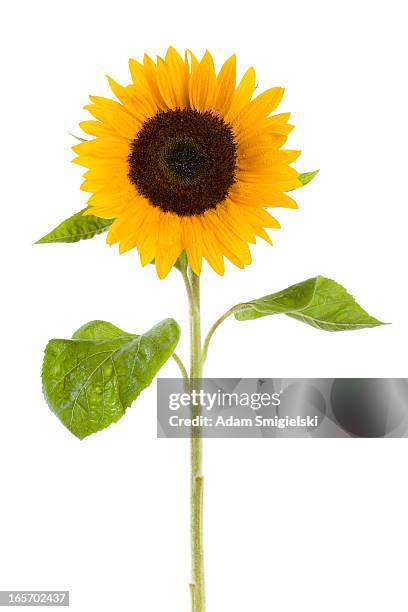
<point x="181" y="366"/>
<point x="187" y="283"/>
<point x="215" y="326"/>
<point x="196" y="450"/>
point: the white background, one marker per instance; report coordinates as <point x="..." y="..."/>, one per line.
<point x="290" y="525"/>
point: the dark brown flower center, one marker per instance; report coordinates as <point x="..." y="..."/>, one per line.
<point x="184" y="161"/>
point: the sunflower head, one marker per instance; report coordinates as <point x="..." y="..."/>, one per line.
<point x="186" y="159"/>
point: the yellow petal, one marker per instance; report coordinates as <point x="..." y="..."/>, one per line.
<point x="138" y="104"/>
<point x="279" y="128"/>
<point x="257" y="138"/>
<point x="243" y="94"/>
<point x="150" y="73"/>
<point x="225" y="86"/>
<point x="131" y="230"/>
<point x="202" y="86"/>
<point x="230" y="214"/>
<point x="225" y="235"/>
<point x="122" y="224"/>
<point x="192" y="241"/>
<point x="169" y="244"/>
<point x="269" y="176"/>
<point x="96" y="128"/>
<point x="257" y="110"/>
<point x="137" y="72"/>
<point x="100" y="179"/>
<point x="115" y="116"/>
<point x="281" y="200"/>
<point x="280" y="118"/>
<point x="147" y="245"/>
<point x="211" y="250"/>
<point x="260" y="216"/>
<point x="106" y="164"/>
<point x="103" y="147"/>
<point x="253" y="160"/>
<point x="172" y="79"/>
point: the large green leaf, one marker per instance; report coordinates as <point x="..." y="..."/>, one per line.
<point x="100" y="330"/>
<point x="90" y="380"/>
<point x="77" y="228"/>
<point x="318" y="301"/>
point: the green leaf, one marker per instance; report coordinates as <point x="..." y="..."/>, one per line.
<point x="306" y="177"/>
<point x="77" y="228"/>
<point x="79" y="138"/>
<point x="318" y="301"/>
<point x="90" y="380"/>
<point x="181" y="262"/>
<point x="99" y="330"/>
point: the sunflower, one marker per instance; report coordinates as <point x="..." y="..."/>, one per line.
<point x="186" y="159"/>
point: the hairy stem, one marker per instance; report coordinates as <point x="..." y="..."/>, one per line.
<point x="196" y="450"/>
<point x="181" y="366"/>
<point x="215" y="327"/>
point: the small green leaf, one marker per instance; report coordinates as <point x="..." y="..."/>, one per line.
<point x="181" y="262"/>
<point x="79" y="138"/>
<point x="318" y="301"/>
<point x="306" y="177"/>
<point x="90" y="380"/>
<point x="77" y="228"/>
